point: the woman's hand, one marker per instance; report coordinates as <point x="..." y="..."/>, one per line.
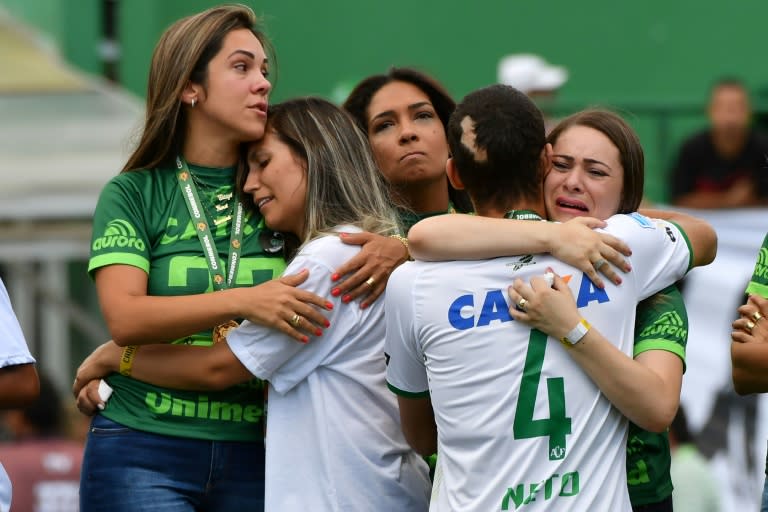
<point x="751" y="326"/>
<point x="88" y="400"/>
<point x="370" y="268"/>
<point x="551" y="309"/>
<point x="100" y="363"/>
<point x="280" y="305"/>
<point x="580" y="246"/>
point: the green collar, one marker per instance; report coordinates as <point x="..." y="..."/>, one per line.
<point x="522" y="215"/>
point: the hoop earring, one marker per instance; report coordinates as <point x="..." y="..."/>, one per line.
<point x="193" y="102"/>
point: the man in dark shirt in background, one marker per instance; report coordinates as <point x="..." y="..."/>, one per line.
<point x="725" y="165"/>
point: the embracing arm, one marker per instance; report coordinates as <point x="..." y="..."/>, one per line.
<point x="173" y="366"/>
<point x="135" y="318"/>
<point x="573" y="242"/>
<point x="700" y="233"/>
<point x="418" y="423"/>
<point x="646" y="389"/>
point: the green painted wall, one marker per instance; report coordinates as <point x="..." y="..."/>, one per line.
<point x="652" y="60"/>
<point x="71" y="26"/>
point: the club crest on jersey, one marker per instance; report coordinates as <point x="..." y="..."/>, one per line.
<point x="521" y="262"/>
<point x="119" y="233"/>
<point x="482" y="308"/>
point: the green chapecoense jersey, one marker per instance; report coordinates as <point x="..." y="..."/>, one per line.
<point x="142" y="220"/>
<point x="662" y="324"/>
<point x="758" y="285"/>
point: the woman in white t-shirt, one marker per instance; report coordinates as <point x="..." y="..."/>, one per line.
<point x="334" y="438"/>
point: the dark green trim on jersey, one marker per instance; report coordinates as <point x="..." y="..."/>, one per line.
<point x="407" y="394"/>
<point x="117" y="259"/>
<point x="687" y="242"/>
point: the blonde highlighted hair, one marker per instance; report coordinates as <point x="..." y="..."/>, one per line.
<point x="344" y="186"/>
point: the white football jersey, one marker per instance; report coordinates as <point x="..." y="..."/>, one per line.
<point x="520" y="425"/>
<point x="334" y="440"/>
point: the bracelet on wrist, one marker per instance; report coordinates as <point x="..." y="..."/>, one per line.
<point x="576" y="334"/>
<point x="403" y="240"/>
<point x="126" y="359"/>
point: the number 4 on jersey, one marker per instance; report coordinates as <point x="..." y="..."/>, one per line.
<point x="558" y="425"/>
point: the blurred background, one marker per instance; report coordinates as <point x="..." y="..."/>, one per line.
<point x="73" y="75"/>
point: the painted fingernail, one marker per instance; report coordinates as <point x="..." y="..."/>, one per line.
<point x="318" y="332"/>
<point x="335" y="292"/>
<point x="329" y="305"/>
<point x="327" y="323"/>
<point x="346" y="299"/>
<point x="304" y="339"/>
<point x="335" y="277"/>
<point x="342" y="235"/>
<point x="364" y="305"/>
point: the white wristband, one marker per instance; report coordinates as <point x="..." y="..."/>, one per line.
<point x="576" y="334"/>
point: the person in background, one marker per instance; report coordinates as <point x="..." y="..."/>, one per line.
<point x="725" y="165"/>
<point x="403" y="113"/>
<point x="42" y="462"/>
<point x="535" y="77"/>
<point x="19" y="383"/>
<point x="696" y="488"/>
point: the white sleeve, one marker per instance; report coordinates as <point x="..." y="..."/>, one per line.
<point x="661" y="252"/>
<point x="274" y="356"/>
<point x="13" y="346"/>
<point x="406" y="373"/>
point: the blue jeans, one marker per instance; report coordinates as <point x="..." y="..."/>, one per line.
<point x="125" y="470"/>
<point x="764" y="504"/>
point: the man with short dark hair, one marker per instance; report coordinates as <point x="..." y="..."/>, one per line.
<point x="725" y="165"/>
<point x="516" y="422"/>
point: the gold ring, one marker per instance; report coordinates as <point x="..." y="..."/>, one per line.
<point x="750" y="325"/>
<point x="295" y="319"/>
<point x="521" y="303"/>
<point x="599" y="263"/>
<point x="757" y="316"/>
<point x="370" y="281"/>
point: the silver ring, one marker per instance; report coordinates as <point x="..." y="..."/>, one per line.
<point x="295" y="319"/>
<point x="599" y="263"/>
<point x="521" y="303"/>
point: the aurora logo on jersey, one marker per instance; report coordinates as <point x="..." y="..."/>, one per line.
<point x="761" y="268"/>
<point x="554" y="486"/>
<point x="669" y="324"/>
<point x="202" y="408"/>
<point x="462" y="313"/>
<point x="119" y="233"/>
